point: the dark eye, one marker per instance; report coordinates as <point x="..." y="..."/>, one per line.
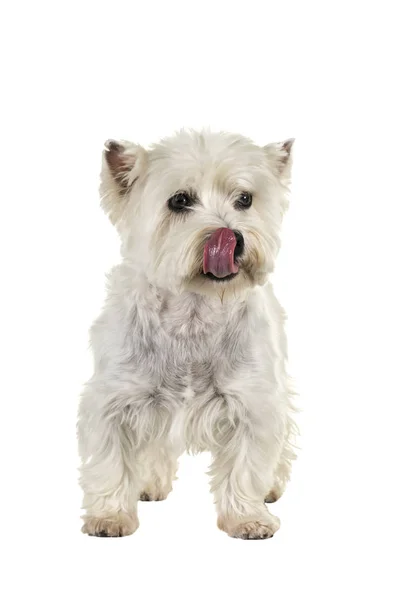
<point x="180" y="201"/>
<point x="244" y="201"/>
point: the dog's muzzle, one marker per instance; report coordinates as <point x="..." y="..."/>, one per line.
<point x="221" y="252"/>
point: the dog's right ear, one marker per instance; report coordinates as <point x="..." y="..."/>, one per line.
<point x="123" y="164"/>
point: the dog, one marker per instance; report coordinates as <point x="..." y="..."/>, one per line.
<point x="190" y="349"/>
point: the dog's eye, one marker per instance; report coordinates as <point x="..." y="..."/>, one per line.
<point x="180" y="201"/>
<point x="244" y="201"/>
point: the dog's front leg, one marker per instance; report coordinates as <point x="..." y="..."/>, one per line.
<point x="108" y="473"/>
<point x="243" y="468"/>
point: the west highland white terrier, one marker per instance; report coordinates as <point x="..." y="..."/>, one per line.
<point x="190" y="349"/>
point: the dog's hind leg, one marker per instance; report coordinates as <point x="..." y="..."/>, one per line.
<point x="281" y="475"/>
<point x="157" y="464"/>
<point x="284" y="466"/>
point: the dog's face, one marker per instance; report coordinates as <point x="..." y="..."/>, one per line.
<point x="198" y="211"/>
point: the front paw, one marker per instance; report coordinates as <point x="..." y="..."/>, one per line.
<point x="250" y="528"/>
<point x="112" y="525"/>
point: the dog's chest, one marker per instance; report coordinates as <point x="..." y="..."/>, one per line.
<point x="202" y="338"/>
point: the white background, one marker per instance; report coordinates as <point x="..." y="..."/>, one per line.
<point x="76" y="73"/>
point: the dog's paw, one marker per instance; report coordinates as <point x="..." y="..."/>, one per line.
<point x="257" y="528"/>
<point x="253" y="530"/>
<point x="150" y="497"/>
<point x="272" y="496"/>
<point x="117" y="525"/>
<point x="274" y="493"/>
<point x="154" y="493"/>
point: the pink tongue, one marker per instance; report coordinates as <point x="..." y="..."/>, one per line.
<point x="218" y="257"/>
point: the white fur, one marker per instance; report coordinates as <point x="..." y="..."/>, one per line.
<point x="182" y="362"/>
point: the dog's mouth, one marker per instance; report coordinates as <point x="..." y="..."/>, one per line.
<point x="220" y="279"/>
<point x="220" y="255"/>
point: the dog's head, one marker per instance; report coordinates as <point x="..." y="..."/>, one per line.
<point x="198" y="211"/>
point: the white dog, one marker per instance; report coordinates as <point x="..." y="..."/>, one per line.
<point x="190" y="348"/>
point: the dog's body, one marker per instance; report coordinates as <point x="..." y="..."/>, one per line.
<point x="190" y="349"/>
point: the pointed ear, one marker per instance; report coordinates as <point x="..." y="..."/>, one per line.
<point x="123" y="164"/>
<point x="280" y="158"/>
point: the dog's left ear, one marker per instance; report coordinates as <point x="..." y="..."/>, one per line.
<point x="280" y="158"/>
<point x="123" y="164"/>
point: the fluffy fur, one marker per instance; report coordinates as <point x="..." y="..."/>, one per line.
<point x="183" y="362"/>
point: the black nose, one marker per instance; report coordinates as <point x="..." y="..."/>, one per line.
<point x="239" y="249"/>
